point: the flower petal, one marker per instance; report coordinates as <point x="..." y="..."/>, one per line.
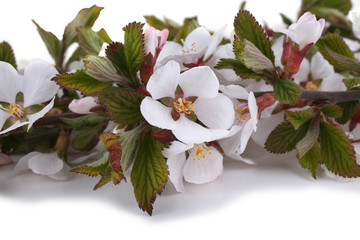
<point x="157" y="114"/>
<point x="333" y="83"/>
<point x="170" y="49"/>
<point x="23" y="163"/>
<point x="253" y="108"/>
<point x="214" y="41"/>
<point x="200" y="37"/>
<point x="175" y="148"/>
<point x="265" y="127"/>
<point x="83" y="105"/>
<point x="46" y="163"/>
<point x="35" y="116"/>
<point x="9" y="80"/>
<point x="204" y="170"/>
<point x="37" y="85"/>
<point x="245" y="136"/>
<point x="3" y="117"/>
<point x="320" y="68"/>
<point x="164" y="81"/>
<point x="199" y="82"/>
<point x="14" y="126"/>
<point x="234" y="91"/>
<point x="63" y="175"/>
<point x="217" y="112"/>
<point x="176" y="166"/>
<point x="303" y="73"/>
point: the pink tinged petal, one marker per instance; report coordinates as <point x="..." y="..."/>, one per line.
<point x="253" y="108"/>
<point x="199" y="82"/>
<point x="214" y="41"/>
<point x="216" y="113"/>
<point x="37" y="85"/>
<point x="188" y="131"/>
<point x="150" y="40"/>
<point x="176" y="168"/>
<point x="9" y="80"/>
<point x="200" y="37"/>
<point x="278" y="48"/>
<point x="285" y="31"/>
<point x="175" y="148"/>
<point x="168" y="51"/>
<point x="63" y="175"/>
<point x="234" y="91"/>
<point x="157" y="114"/>
<point x="3" y="117"/>
<point x="4" y="159"/>
<point x="35" y="116"/>
<point x="14" y="126"/>
<point x="164" y="81"/>
<point x="23" y="163"/>
<point x="203" y="170"/>
<point x="46" y="163"/>
<point x="83" y="105"/>
<point x="163" y="35"/>
<point x="320" y="68"/>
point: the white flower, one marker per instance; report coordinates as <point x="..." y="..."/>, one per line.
<point x="354" y="16"/>
<point x="198" y="96"/>
<point x="305" y="31"/>
<point x="199" y="45"/>
<point x="83" y="105"/>
<point x="203" y="164"/>
<point x="36" y="88"/>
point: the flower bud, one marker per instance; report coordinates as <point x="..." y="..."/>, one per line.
<point x="83" y="105"/>
<point x="155" y="40"/>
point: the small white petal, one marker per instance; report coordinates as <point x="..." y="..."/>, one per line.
<point x="232" y="143"/>
<point x="205" y="169"/>
<point x="175" y="148"/>
<point x="234" y="91"/>
<point x="14" y="126"/>
<point x="245" y="136"/>
<point x="253" y="108"/>
<point x="303" y="73"/>
<point x="83" y="105"/>
<point x="216" y="113"/>
<point x="46" y="163"/>
<point x="214" y="41"/>
<point x="199" y="82"/>
<point x="35" y="116"/>
<point x="23" y="163"/>
<point x="170" y="49"/>
<point x="320" y="68"/>
<point x="200" y="37"/>
<point x="63" y="175"/>
<point x="37" y="85"/>
<point x="333" y="83"/>
<point x="9" y="80"/>
<point x="176" y="168"/>
<point x="157" y="114"/>
<point x="164" y="81"/>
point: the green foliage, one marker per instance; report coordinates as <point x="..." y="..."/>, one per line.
<point x="307" y="142"/>
<point x="344" y="6"/>
<point x="332" y="110"/>
<point x="81" y="81"/>
<point x="100" y="167"/>
<point x="90" y="41"/>
<point x="349" y="109"/>
<point x="188" y="26"/>
<point x="102" y="69"/>
<point x="351" y="82"/>
<point x="298" y="118"/>
<point x="149" y="173"/>
<point x="338" y="53"/>
<point x="336" y="151"/>
<point x="169" y="24"/>
<point x="285" y="19"/>
<point x="286" y="91"/>
<point x="246" y="27"/>
<point x="311" y="159"/>
<point x="239" y="68"/>
<point x="124" y="107"/>
<point x="7" y="54"/>
<point x="284" y="137"/>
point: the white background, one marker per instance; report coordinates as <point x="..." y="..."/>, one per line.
<point x="275" y="199"/>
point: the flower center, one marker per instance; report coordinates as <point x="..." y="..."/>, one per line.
<point x="242" y="113"/>
<point x="183" y="106"/>
<point x="16" y="111"/>
<point x="199" y="151"/>
<point x="187" y="49"/>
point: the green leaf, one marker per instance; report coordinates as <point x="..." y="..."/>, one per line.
<point x="86" y="139"/>
<point x="53" y="44"/>
<point x="85" y="18"/>
<point x="100" y="167"/>
<point x="285" y="19"/>
<point x="81" y="81"/>
<point x="298" y="118"/>
<point x="338" y="53"/>
<point x="84" y="121"/>
<point x="77" y="55"/>
<point x="89" y="40"/>
<point x="311" y="159"/>
<point x="307" y="142"/>
<point x="284" y="137"/>
<point x="171" y="25"/>
<point x="239" y="68"/>
<point x="7" y="54"/>
<point x="189" y="25"/>
<point x="349" y="109"/>
<point x="351" y="82"/>
<point x="343" y="6"/>
<point x="149" y="173"/>
<point x="332" y="110"/>
<point x="246" y="27"/>
<point x="124" y="107"/>
<point x="337" y="152"/>
<point x="102" y="69"/>
<point x="286" y="91"/>
<point x="104" y="36"/>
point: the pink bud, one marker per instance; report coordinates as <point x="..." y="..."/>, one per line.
<point x="155" y="40"/>
<point x="4" y="159"/>
<point x="83" y="105"/>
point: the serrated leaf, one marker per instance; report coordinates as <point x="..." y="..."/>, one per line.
<point x="298" y="118"/>
<point x="149" y="173"/>
<point x="337" y="53"/>
<point x="89" y="40"/>
<point x="112" y="145"/>
<point x="311" y="159"/>
<point x="85" y="18"/>
<point x="246" y="27"/>
<point x="343" y="6"/>
<point x="311" y="137"/>
<point x="332" y="110"/>
<point x="189" y="25"/>
<point x="286" y="91"/>
<point x="102" y="69"/>
<point x="7" y="54"/>
<point x="84" y="121"/>
<point x="124" y="107"/>
<point x="337" y="152"/>
<point x="284" y="137"/>
<point x="104" y="36"/>
<point x="351" y="82"/>
<point x="239" y="68"/>
<point x="81" y="81"/>
<point x="100" y="167"/>
<point x="52" y="43"/>
<point x="349" y="109"/>
<point x="86" y="139"/>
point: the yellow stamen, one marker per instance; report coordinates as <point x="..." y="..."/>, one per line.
<point x="200" y="151"/>
<point x="187" y="49"/>
<point x="183" y="106"/>
<point x="242" y="113"/>
<point x="311" y="85"/>
<point x="16" y="111"/>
